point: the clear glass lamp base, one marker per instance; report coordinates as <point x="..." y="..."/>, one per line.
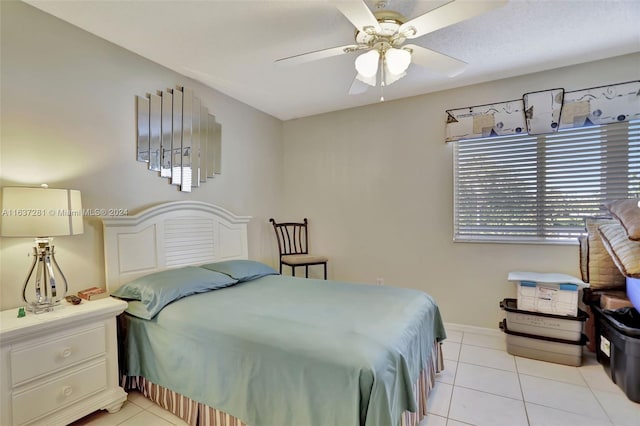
<point x="41" y="307"/>
<point x="47" y="291"/>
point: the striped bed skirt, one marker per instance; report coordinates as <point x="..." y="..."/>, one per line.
<point x="198" y="414"/>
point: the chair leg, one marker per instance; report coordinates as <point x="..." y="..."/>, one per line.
<point x="306" y="271"/>
<point x="325" y="271"/>
<point x="293" y="271"/>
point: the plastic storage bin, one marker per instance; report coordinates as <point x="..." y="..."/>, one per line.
<point x="541" y="324"/>
<point x="618" y="347"/>
<point x="550" y="349"/>
<point x="549" y="298"/>
<point x="633" y="291"/>
<point x="550" y="293"/>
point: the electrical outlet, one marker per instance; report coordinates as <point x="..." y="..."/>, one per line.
<point x="380" y="281"/>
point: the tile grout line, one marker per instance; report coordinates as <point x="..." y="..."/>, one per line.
<point x="604" y="410"/>
<point x="524" y="401"/>
<point x="453" y="386"/>
<point x="596" y="396"/>
<point x="611" y="422"/>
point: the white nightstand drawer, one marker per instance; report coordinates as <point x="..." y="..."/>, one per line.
<point x="32" y="361"/>
<point x="57" y="393"/>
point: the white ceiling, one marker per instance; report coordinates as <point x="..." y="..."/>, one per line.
<point x="231" y="46"/>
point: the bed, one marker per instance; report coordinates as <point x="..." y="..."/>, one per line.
<point x="218" y="339"/>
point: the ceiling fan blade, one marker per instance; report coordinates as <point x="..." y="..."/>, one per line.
<point x="359" y="14"/>
<point x="358" y="87"/>
<point x="318" y="54"/>
<point x="448" y="14"/>
<point x="436" y="61"/>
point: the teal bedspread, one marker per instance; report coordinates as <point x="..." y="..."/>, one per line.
<point x="280" y="351"/>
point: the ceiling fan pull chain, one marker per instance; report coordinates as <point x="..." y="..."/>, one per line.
<point x="382" y="79"/>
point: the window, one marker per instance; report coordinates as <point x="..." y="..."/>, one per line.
<point x="539" y="188"/>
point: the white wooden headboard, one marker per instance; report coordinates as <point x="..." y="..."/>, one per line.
<point x="171" y="235"/>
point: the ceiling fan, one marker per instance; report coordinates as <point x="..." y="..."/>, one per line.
<point x="382" y="35"/>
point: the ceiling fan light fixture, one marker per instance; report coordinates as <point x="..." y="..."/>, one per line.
<point x="367" y="64"/>
<point x="397" y="61"/>
<point x="390" y="77"/>
<point x="371" y="81"/>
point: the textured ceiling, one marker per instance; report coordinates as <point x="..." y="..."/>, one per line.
<point x="231" y="46"/>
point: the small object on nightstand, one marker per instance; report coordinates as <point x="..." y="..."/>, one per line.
<point x="74" y="300"/>
<point x="21" y="313"/>
<point x="93" y="293"/>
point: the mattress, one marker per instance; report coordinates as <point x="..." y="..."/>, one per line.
<point x="283" y="350"/>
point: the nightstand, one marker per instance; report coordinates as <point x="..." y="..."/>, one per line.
<point x="59" y="366"/>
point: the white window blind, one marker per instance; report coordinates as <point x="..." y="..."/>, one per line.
<point x="539" y="188"/>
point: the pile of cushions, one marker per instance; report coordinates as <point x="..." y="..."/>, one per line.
<point x="622" y="239"/>
<point x="610" y="253"/>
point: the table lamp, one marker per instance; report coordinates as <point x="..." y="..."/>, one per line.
<point x="42" y="213"/>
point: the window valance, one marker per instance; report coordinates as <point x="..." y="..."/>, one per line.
<point x="546" y="112"/>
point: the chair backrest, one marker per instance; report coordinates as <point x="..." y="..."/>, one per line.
<point x="292" y="237"/>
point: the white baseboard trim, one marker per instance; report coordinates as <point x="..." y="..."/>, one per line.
<point x="473" y="329"/>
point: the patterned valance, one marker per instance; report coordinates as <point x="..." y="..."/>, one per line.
<point x="546" y="112"/>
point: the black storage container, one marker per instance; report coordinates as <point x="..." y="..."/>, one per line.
<point x="618" y="347"/>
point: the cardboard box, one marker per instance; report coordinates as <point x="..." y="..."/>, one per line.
<point x="609" y="301"/>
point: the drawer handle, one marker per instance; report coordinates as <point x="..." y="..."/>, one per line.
<point x="66" y="353"/>
<point x="67" y="391"/>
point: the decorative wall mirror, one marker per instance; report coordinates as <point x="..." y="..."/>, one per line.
<point x="178" y="137"/>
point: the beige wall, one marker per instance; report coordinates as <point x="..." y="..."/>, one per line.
<point x="376" y="184"/>
<point x="68" y="119"/>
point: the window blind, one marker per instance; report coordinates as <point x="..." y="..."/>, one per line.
<point x="539" y="188"/>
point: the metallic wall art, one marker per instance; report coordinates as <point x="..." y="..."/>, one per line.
<point x="178" y="138"/>
<point x="187" y="140"/>
<point x="167" y="134"/>
<point x="155" y="131"/>
<point x="546" y="112"/>
<point x="142" y="118"/>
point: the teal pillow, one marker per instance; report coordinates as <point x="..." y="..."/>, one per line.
<point x="241" y="269"/>
<point x="137" y="309"/>
<point x="157" y="290"/>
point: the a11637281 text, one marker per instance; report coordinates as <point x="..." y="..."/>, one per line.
<point x="30" y="212"/>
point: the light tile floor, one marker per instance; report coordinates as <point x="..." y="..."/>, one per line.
<point x="482" y="385"/>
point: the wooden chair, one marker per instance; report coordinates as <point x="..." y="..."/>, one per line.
<point x="293" y="240"/>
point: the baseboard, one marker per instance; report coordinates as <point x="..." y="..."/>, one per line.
<point x="473" y="329"/>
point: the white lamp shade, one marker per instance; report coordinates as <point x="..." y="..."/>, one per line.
<point x="390" y="78"/>
<point x="40" y="212"/>
<point x="367" y="63"/>
<point x="397" y="60"/>
<point x="371" y="81"/>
